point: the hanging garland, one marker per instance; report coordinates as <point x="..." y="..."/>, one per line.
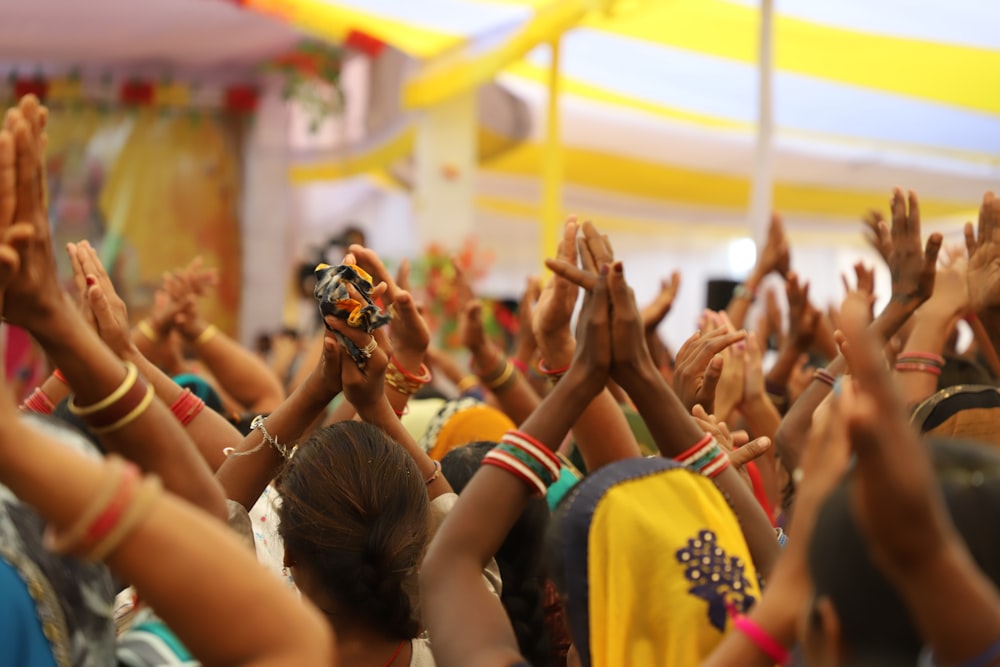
<point x="311" y="75"/>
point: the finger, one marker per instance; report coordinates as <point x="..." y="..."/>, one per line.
<point x="96" y="266"/>
<point x="8" y="179"/>
<point x="100" y="306"/>
<point x="913" y="219"/>
<point x="740" y="438"/>
<point x="931" y="251"/>
<point x="369" y="260"/>
<point x="698" y="412"/>
<point x="574" y="274"/>
<point x="10" y="264"/>
<point x="718" y="344"/>
<point x="403" y="275"/>
<point x="622" y="301"/>
<point x="711" y="381"/>
<point x="79" y="275"/>
<point x="595" y="244"/>
<point x="27" y="174"/>
<point x="992" y="219"/>
<point x="567" y="251"/>
<point x="586" y="258"/>
<point x="356" y="335"/>
<point x="406" y="309"/>
<point x="750" y="451"/>
<point x="898" y="207"/>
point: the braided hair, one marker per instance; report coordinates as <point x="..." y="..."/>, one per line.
<point x="355" y="514"/>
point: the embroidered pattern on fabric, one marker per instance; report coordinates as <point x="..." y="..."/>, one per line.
<point x="715" y="577"/>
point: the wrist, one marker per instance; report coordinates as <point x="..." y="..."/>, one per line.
<point x="410" y="360"/>
<point x="193" y="329"/>
<point x="319" y="389"/>
<point x="558" y="352"/>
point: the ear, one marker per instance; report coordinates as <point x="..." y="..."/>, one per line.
<point x="829" y="627"/>
<point x="288" y="560"/>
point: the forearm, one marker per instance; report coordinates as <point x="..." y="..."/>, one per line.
<point x="824" y="343"/>
<point x="784" y="364"/>
<point x="382" y="416"/>
<point x="209" y="430"/>
<point x="739" y="306"/>
<point x="58" y="482"/>
<point x="602" y="433"/>
<point x="929" y="336"/>
<point x="763" y="420"/>
<point x="516" y="397"/>
<point x="153" y="439"/>
<point x="244" y="375"/>
<point x="244" y="478"/>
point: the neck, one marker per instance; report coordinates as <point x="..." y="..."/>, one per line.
<point x="363" y="647"/>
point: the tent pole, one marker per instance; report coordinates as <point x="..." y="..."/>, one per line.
<point x="763" y="170"/>
<point x="552" y="164"/>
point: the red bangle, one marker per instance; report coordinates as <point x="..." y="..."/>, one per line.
<point x="38" y="402"/>
<point x="534" y="443"/>
<point x="424" y="378"/>
<point x="186" y="407"/>
<point x="112" y="514"/>
<point x="768" y="645"/>
<point x="57" y="374"/>
<point x="520" y="365"/>
<point x="935" y="359"/>
<point x="824" y="376"/>
<point x="698" y="445"/>
<point x="918" y="368"/>
<point x="544" y="370"/>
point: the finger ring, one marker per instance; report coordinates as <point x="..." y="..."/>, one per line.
<point x="369" y="348"/>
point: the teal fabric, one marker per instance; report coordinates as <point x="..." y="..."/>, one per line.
<point x="567" y="480"/>
<point x="21" y="638"/>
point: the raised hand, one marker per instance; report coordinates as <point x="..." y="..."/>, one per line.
<point x="363" y="388"/>
<point x="554" y="310"/>
<point x="659" y="308"/>
<point x="911" y="263"/>
<point x="629" y="351"/>
<point x="470" y="327"/>
<point x="803" y="318"/>
<point x="877" y="234"/>
<point x="951" y="288"/>
<point x="34" y="294"/>
<point x="698" y="366"/>
<point x="105" y="309"/>
<point x="738" y="446"/>
<point x="775" y="256"/>
<point x="983" y="245"/>
<point x="594" y="335"/>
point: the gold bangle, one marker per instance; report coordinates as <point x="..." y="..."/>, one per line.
<point x="138" y="510"/>
<point x="60" y="542"/>
<point x="144" y="404"/>
<point x="131" y="375"/>
<point x="467" y="383"/>
<point x="502" y="379"/>
<point x="206" y="335"/>
<point x="147" y="330"/>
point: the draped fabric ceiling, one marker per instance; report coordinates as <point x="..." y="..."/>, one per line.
<point x="659" y="98"/>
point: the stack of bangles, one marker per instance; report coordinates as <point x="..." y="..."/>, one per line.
<point x="500" y="378"/>
<point x="186" y="407"/>
<point x="527" y="459"/>
<point x="705" y="457"/>
<point x="767" y="644"/>
<point x="40" y="402"/>
<point x="403" y="381"/>
<point x="113" y="513"/>
<point x="553" y="375"/>
<point x="920" y="362"/>
<point x="120" y="408"/>
<point x="825" y="377"/>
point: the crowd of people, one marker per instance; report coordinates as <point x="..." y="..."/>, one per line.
<point x="586" y="496"/>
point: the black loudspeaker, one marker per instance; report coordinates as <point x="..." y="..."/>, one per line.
<point x="719" y="292"/>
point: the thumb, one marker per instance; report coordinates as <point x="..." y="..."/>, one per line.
<point x="711" y="380"/>
<point x="750" y="451"/>
<point x="100" y="306"/>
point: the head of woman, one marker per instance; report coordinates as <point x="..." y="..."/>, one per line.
<point x="521" y="557"/>
<point x="354" y="521"/>
<point x="857" y="617"/>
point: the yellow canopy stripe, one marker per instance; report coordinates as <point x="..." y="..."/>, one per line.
<point x="331" y="22"/>
<point x="620" y="175"/>
<point x="453" y="74"/>
<point x="939" y="72"/>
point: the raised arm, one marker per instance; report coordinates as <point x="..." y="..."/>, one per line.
<point x="774" y="257"/>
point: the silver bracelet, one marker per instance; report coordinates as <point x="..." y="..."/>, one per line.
<point x="258" y="425"/>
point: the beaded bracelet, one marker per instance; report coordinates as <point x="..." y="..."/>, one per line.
<point x="922" y="358"/>
<point x="705" y="458"/>
<point x="39" y="402"/>
<point x="520" y="366"/>
<point x="403" y="381"/>
<point x="186" y="407"/>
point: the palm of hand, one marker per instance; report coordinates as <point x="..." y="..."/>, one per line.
<point x="983" y="277"/>
<point x="554" y="310"/>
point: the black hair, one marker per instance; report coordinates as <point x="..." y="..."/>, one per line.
<point x="521" y="558"/>
<point x="875" y="623"/>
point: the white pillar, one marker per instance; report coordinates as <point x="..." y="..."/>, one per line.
<point x="445" y="172"/>
<point x="762" y="179"/>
